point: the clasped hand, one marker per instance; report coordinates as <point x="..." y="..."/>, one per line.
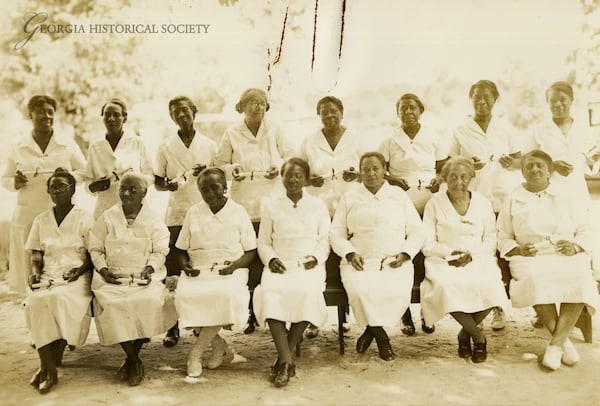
<point x="563" y="168"/>
<point x="358" y="262"/>
<point x="20" y="180"/>
<point x="463" y="259"/>
<point x="100" y="185"/>
<point x="276" y="266"/>
<point x="350" y="174"/>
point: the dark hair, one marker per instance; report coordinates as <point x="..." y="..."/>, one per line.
<point x="458" y="161"/>
<point x="39" y="100"/>
<point x="485" y="84"/>
<point x="538" y="153"/>
<point x="561" y="87"/>
<point x="118" y="102"/>
<point x="185" y="100"/>
<point x="330" y="99"/>
<point x="240" y="105"/>
<point x="213" y="170"/>
<point x="62" y="173"/>
<point x="410" y="96"/>
<point x="298" y="162"/>
<point x="372" y="154"/>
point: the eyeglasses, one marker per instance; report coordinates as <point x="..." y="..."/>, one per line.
<point x="55" y="190"/>
<point x="256" y="103"/>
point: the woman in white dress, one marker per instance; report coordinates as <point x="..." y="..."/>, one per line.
<point x="293" y="241"/>
<point x="251" y="153"/>
<point x="414" y="154"/>
<point x="57" y="310"/>
<point x="570" y="142"/>
<point x="30" y="163"/>
<point x="376" y="230"/>
<point x="128" y="244"/>
<point x="179" y="160"/>
<point x="547" y="238"/>
<point x="217" y="244"/>
<point x="113" y="156"/>
<point x="495" y="148"/>
<point x="462" y="276"/>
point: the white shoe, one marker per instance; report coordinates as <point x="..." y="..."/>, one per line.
<point x="552" y="357"/>
<point x="570" y="355"/>
<point x="194" y="367"/>
<point x="499" y="319"/>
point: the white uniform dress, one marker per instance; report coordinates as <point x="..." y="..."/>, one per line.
<point x="377" y="226"/>
<point x="291" y="232"/>
<point x="210" y="299"/>
<point x="331" y="164"/>
<point x="492" y="181"/>
<point x="128" y="312"/>
<point x="32" y="199"/>
<point x="571" y="148"/>
<point x="174" y="159"/>
<point x="414" y="160"/>
<point x="474" y="287"/>
<point x="544" y="218"/>
<point x="239" y="147"/>
<point x="60" y="311"/>
<point x="129" y="155"/>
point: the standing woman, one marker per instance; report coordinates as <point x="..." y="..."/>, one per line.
<point x="216" y="246"/>
<point x="58" y="315"/>
<point x="114" y="156"/>
<point x="251" y="152"/>
<point x="293" y="241"/>
<point x="179" y="160"/>
<point x="376" y="230"/>
<point x="569" y="142"/>
<point x="493" y="146"/>
<point x="29" y="165"/>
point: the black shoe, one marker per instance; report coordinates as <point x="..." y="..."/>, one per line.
<point x="408" y="327"/>
<point x="427" y="329"/>
<point x="282" y="378"/>
<point x="137" y="373"/>
<point x="35" y="379"/>
<point x="47" y="380"/>
<point x="252" y="324"/>
<point x="124" y="370"/>
<point x="479" y="352"/>
<point x="364" y="341"/>
<point x="171" y="338"/>
<point x="385" y="350"/>
<point x="464" y="347"/>
<point x="274" y="370"/>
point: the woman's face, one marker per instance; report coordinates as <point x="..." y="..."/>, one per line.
<point x="331" y="115"/>
<point x="131" y="193"/>
<point x="182" y="114"/>
<point x="559" y="103"/>
<point x="372" y="173"/>
<point x="293" y="179"/>
<point x="42" y="117"/>
<point x="212" y="190"/>
<point x="409" y="112"/>
<point x="483" y="101"/>
<point x="458" y="178"/>
<point x="114" y="118"/>
<point x="535" y="171"/>
<point x="255" y="106"/>
<point x="60" y="191"/>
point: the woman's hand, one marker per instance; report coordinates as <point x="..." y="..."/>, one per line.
<point x="276" y="266"/>
<point x="172" y="186"/>
<point x="20" y="180"/>
<point x="398" y="182"/>
<point x="463" y="259"/>
<point x="310" y="261"/>
<point x="399" y="260"/>
<point x="317" y="181"/>
<point x="171" y="282"/>
<point x="524" y="250"/>
<point x="434" y="185"/>
<point x="350" y="174"/>
<point x="563" y="168"/>
<point x="506" y="161"/>
<point x="34" y="277"/>
<point x="356" y="260"/>
<point x="477" y="163"/>
<point x="569" y="248"/>
<point x="109" y="277"/>
<point x="197" y="169"/>
<point x="272" y="172"/>
<point x="236" y="174"/>
<point x="231" y="266"/>
<point x="189" y="270"/>
<point x="73" y="274"/>
<point x="147" y="273"/>
<point x="99" y="185"/>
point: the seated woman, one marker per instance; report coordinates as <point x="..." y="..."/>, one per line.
<point x="218" y="244"/>
<point x="58" y="311"/>
<point x="461" y="224"/>
<point x="293" y="240"/>
<point x="128" y="244"/>
<point x="376" y="230"/>
<point x="546" y="240"/>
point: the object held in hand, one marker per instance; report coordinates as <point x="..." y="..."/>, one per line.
<point x="252" y="174"/>
<point x="215" y="267"/>
<point x="452" y="257"/>
<point x="48" y="284"/>
<point x="33" y="173"/>
<point x="546" y="246"/>
<point x="132" y="279"/>
<point x="386" y="261"/>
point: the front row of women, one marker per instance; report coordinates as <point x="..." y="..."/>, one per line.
<point x="375" y="230"/>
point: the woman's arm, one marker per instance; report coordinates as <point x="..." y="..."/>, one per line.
<point x="431" y="245"/>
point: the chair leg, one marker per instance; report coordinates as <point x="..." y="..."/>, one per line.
<point x="584" y="323"/>
<point x="341" y="314"/>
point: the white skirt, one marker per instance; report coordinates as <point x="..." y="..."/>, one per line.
<point x="378" y="297"/>
<point x="129" y="312"/>
<point x="475" y="287"/>
<point x="546" y="279"/>
<point x="60" y="312"/>
<point x="294" y="296"/>
<point x="210" y="299"/>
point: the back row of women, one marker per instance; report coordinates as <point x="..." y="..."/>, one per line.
<point x="376" y="227"/>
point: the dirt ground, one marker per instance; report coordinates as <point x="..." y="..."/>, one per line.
<point x="427" y="370"/>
